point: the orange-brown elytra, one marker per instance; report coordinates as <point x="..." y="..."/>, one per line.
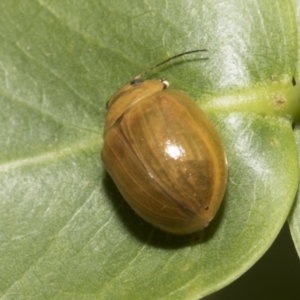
<point x="164" y="155"/>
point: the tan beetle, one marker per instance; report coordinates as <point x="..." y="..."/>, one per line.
<point x="164" y="155"/>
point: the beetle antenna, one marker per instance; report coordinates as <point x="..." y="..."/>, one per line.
<point x="167" y="60"/>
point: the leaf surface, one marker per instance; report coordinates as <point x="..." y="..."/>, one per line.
<point x="66" y="232"/>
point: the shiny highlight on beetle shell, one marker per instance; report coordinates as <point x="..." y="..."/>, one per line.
<point x="165" y="156"/>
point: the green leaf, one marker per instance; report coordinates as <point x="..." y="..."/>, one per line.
<point x="66" y="232"/>
<point x="294" y="217"/>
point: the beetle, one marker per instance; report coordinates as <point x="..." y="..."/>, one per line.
<point x="164" y="155"/>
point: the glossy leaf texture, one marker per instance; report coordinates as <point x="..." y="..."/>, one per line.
<point x="66" y="232"/>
